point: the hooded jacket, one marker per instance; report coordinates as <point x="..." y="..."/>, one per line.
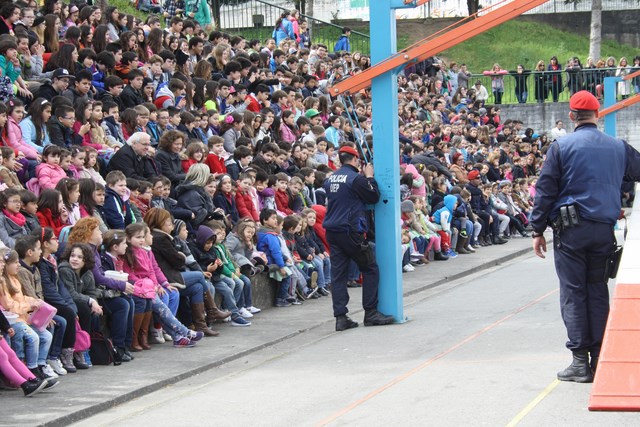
<point x="444" y="215"/>
<point x="269" y="243"/>
<point x="202" y="257"/>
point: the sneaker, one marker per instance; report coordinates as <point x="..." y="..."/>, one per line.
<point x="408" y="268"/>
<point x="282" y="303"/>
<point x="56" y="365"/>
<point x="87" y="358"/>
<point x="33" y="387"/>
<point x="156" y="336"/>
<point x="245" y="313"/>
<point x="240" y="321"/>
<point x="195" y="336"/>
<point x="183" y="342"/>
<point x="48" y="372"/>
<point x="296" y="301"/>
<point x="451" y="253"/>
<point x="254" y="310"/>
<point x="312" y="293"/>
<point x="324" y="292"/>
<point x="227" y="319"/>
<point x="166" y="336"/>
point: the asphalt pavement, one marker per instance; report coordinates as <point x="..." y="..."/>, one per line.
<point x="295" y="330"/>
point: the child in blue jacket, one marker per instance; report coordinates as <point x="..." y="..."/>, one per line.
<point x="117" y="211"/>
<point x="269" y="243"/>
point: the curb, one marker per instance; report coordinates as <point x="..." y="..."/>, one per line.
<point x="92" y="410"/>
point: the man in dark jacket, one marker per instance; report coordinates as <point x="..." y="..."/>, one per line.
<point x="59" y="83"/>
<point x="131" y="95"/>
<point x="133" y="159"/>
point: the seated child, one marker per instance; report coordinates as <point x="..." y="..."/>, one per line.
<point x="269" y="243"/>
<point x="205" y="254"/>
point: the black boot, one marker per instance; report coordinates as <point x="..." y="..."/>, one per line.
<point x="579" y="371"/>
<point x="497" y="240"/>
<point x="439" y="256"/>
<point x="343" y="322"/>
<point x="375" y="318"/>
<point x="460" y="246"/>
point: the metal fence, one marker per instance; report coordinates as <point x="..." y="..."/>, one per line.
<point x="256" y="19"/>
<point x="456" y="8"/>
<point x="552" y="86"/>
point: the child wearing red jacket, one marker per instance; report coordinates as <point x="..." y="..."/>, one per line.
<point x="283" y="202"/>
<point x="244" y="200"/>
<point x="214" y="160"/>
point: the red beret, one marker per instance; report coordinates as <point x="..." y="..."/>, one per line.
<point x="584" y="100"/>
<point x="473" y="175"/>
<point x="349" y="150"/>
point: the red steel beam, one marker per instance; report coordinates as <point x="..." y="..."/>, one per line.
<point x="632" y="75"/>
<point x="620" y="105"/>
<point x="486" y="19"/>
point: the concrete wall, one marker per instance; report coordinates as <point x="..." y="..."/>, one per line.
<point x="542" y="117"/>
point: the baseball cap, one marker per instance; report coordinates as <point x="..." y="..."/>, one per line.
<point x="473" y="175"/>
<point x="311" y="112"/>
<point x="61" y="73"/>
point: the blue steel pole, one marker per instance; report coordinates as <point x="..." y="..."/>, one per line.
<point x="386" y="150"/>
<point x="609" y="100"/>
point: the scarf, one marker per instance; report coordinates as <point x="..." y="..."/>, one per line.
<point x="18" y="218"/>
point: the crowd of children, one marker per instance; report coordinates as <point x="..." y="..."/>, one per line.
<point x="192" y="162"/>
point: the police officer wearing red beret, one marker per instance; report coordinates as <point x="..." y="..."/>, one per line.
<point x="346" y="223"/>
<point x="578" y="194"/>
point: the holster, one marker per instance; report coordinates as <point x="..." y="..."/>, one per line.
<point x="612" y="263"/>
<point x="568" y="217"/>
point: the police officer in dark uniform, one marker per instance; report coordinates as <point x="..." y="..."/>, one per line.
<point x="348" y="193"/>
<point x="578" y="194"/>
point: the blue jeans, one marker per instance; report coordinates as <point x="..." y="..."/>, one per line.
<point x="171" y="299"/>
<point x="236" y="288"/>
<point x="121" y="310"/>
<point x="195" y="285"/>
<point x="142" y="305"/>
<point x="58" y="336"/>
<point x="522" y="97"/>
<point x="246" y="299"/>
<point x="323" y="267"/>
<point x="226" y="290"/>
<point x="283" y="288"/>
<point x="36" y="344"/>
<point x="169" y="322"/>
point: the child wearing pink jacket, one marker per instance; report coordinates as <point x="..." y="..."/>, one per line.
<point x="14" y="132"/>
<point x="49" y="171"/>
<point x="150" y="284"/>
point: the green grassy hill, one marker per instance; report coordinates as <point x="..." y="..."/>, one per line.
<point x="526" y="43"/>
